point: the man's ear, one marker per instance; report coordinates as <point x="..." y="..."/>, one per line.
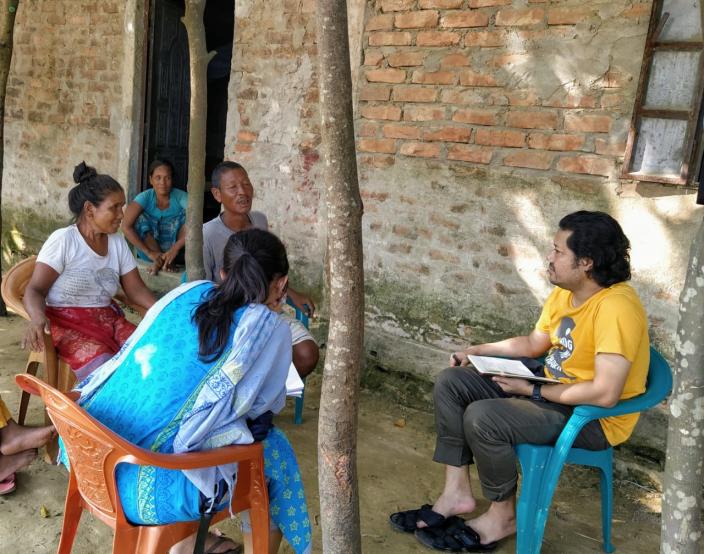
<point x="215" y="191"/>
<point x="586" y="263"/>
<point x="222" y="275"/>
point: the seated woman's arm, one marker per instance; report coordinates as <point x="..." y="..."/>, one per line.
<point x="132" y="212"/>
<point x="43" y="277"/>
<point x="172" y="252"/>
<point x="135" y="289"/>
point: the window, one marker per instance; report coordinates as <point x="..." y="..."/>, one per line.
<point x="666" y="129"/>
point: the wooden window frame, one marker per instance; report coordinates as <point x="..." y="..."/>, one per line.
<point x="691" y="116"/>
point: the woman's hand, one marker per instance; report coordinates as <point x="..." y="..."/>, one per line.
<point x="34" y="335"/>
<point x="514" y="385"/>
<point x="154" y="255"/>
<point x="168" y="257"/>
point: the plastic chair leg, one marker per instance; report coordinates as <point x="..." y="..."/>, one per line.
<point x="72" y="516"/>
<point x="32" y="367"/>
<point x="607" y="494"/>
<point x="533" y="461"/>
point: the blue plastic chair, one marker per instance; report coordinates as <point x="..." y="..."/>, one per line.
<point x="542" y="465"/>
<point x="298" y="410"/>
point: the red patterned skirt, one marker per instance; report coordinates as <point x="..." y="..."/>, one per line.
<point x="88" y="337"/>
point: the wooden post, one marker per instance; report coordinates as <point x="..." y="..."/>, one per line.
<point x="337" y="424"/>
<point x="198" y="62"/>
<point x="8" y="9"/>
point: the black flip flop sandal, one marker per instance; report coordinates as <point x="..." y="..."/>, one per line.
<point x="407" y="521"/>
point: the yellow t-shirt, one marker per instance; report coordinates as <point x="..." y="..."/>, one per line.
<point x="612" y="321"/>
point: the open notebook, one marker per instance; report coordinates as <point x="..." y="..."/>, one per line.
<point x="294" y="383"/>
<point x="488" y="365"/>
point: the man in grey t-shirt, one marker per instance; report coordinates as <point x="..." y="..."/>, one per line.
<point x="215" y="235"/>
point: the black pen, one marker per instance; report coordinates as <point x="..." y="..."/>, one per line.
<point x="454" y="357"/>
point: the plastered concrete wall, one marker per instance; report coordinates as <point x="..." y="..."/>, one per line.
<point x="480" y="124"/>
<point x="63" y="102"/>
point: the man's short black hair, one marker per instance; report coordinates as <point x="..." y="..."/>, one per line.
<point x="221" y="168"/>
<point x="599" y="237"/>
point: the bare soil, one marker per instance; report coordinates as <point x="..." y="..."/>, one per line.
<point x="396" y="472"/>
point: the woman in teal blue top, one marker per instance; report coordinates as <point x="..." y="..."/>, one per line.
<point x="155" y="220"/>
<point x="206" y="368"/>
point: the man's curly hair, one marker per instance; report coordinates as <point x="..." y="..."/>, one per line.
<point x="599" y="237"/>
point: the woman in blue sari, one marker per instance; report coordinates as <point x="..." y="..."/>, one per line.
<point x="206" y="368"/>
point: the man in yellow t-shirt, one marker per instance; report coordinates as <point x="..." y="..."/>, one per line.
<point x="595" y="332"/>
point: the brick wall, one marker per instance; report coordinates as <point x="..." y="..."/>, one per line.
<point x="538" y="85"/>
<point x="63" y="96"/>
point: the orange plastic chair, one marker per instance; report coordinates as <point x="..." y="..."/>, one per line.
<point x="94" y="452"/>
<point x="57" y="372"/>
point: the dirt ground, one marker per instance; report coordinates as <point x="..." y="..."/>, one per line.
<point x="395" y="472"/>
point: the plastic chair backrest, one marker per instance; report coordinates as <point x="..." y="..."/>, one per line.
<point x="15" y="282"/>
<point x="94" y="451"/>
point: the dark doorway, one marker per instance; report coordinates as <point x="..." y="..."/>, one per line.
<point x="168" y="89"/>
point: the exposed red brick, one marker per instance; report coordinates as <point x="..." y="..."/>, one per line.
<point x="417" y="20"/>
<point x="532" y="159"/>
<point x="437" y="38"/>
<point x="477" y="117"/>
<point x="406" y="59"/>
<point x="399" y="248"/>
<point x="467" y="153"/>
<point x="439" y="255"/>
<point x="388" y="75"/>
<point x="442" y="221"/>
<point x="383" y="146"/>
<point x="609" y="148"/>
<point x="522" y="98"/>
<point x="379" y="161"/>
<point x="485" y="38"/>
<point x="467" y="97"/>
<point x="497" y="137"/>
<point x="414" y="94"/>
<point x="448" y="133"/>
<point x="247" y="136"/>
<point x="487" y="3"/>
<point x="638" y="11"/>
<point x="420" y="149"/>
<point x="532" y="120"/>
<point x="384" y="22"/>
<point x="373" y="57"/>
<point x="509" y="59"/>
<point x="401" y="131"/>
<point x="559" y="142"/>
<point x="591" y="165"/>
<point x="423" y="113"/>
<point x="367" y="129"/>
<point x="440" y="4"/>
<point x="463" y="19"/>
<point x="390" y="38"/>
<point x="396" y="5"/>
<point x="470" y="78"/>
<point x="569" y="16"/>
<point x="614" y="79"/>
<point x="612" y="100"/>
<point x="588" y="123"/>
<point x="240" y="147"/>
<point x="434" y="77"/>
<point x="379" y="93"/>
<point x="455" y="60"/>
<point x="519" y="17"/>
<point x="573" y="101"/>
<point x="381" y="112"/>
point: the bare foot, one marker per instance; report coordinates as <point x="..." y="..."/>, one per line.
<point x="492" y="527"/>
<point x="452" y="504"/>
<point x="15" y="462"/>
<point x="16" y="438"/>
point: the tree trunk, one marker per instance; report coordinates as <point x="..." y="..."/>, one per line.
<point x="682" y="498"/>
<point x="8" y="8"/>
<point x="198" y="61"/>
<point x="337" y="424"/>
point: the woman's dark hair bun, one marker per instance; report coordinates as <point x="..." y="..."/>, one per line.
<point x="83" y="172"/>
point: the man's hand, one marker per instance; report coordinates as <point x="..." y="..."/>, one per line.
<point x="33" y="336"/>
<point x="459" y="359"/>
<point x="514" y="385"/>
<point x="302" y="301"/>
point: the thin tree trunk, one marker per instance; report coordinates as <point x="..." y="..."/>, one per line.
<point x="198" y="62"/>
<point x="8" y="8"/>
<point x="337" y="424"/>
<point x="682" y="498"/>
